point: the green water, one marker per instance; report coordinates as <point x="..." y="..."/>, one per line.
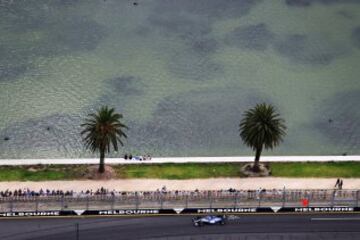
<point x="181" y="72"/>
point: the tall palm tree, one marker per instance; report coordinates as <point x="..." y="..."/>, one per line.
<point x="101" y="130"/>
<point x="261" y="128"/>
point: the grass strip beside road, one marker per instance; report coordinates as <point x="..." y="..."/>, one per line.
<point x="41" y="172"/>
<point x="179" y="171"/>
<point x="313" y="169"/>
<point x="211" y="170"/>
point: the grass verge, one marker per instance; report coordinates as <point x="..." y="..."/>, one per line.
<point x="179" y="171"/>
<point x="312" y="169"/>
<point x="41" y="172"/>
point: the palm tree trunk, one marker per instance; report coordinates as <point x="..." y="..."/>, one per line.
<point x="256" y="167"/>
<point x="102" y="161"/>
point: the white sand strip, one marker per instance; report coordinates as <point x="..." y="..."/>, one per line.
<point x="181" y="160"/>
<point x="200" y="184"/>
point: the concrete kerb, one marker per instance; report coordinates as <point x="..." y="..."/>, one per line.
<point x="230" y="159"/>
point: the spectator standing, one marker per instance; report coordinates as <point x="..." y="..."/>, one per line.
<point x="340" y="184"/>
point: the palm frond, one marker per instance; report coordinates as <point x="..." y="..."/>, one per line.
<point x="103" y="130"/>
<point x="262" y="127"/>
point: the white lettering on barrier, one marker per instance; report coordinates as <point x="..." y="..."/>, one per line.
<point x="325" y="209"/>
<point x="227" y="210"/>
<point x="129" y="212"/>
<point x="24" y="214"/>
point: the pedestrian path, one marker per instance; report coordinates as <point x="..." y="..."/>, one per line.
<point x="181" y="160"/>
<point x="188" y="185"/>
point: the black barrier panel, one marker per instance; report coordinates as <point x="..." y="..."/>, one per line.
<point x="224" y="210"/>
<point x="264" y="210"/>
<point x="129" y="212"/>
<point x="190" y="210"/>
<point x="168" y="211"/>
<point x="124" y="212"/>
<point x="37" y="213"/>
<point x="68" y="213"/>
<point x="319" y="209"/>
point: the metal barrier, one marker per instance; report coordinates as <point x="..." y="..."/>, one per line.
<point x="183" y="199"/>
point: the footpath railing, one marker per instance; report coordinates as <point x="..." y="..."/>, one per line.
<point x="183" y="199"/>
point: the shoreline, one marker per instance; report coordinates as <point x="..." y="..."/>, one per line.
<point x="160" y="160"/>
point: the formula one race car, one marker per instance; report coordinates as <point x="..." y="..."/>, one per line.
<point x="209" y="220"/>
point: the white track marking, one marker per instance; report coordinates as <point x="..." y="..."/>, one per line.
<point x="336" y="219"/>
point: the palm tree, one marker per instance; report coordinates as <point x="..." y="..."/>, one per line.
<point x="261" y="128"/>
<point x="102" y="130"/>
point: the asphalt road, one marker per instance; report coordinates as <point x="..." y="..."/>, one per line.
<point x="262" y="227"/>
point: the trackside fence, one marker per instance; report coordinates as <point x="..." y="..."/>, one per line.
<point x="182" y="199"/>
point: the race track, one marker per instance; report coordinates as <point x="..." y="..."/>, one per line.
<point x="269" y="227"/>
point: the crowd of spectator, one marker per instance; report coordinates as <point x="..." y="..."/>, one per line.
<point x="31" y="193"/>
<point x="47" y="192"/>
<point x="244" y="194"/>
<point x="138" y="158"/>
<point x="106" y="192"/>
